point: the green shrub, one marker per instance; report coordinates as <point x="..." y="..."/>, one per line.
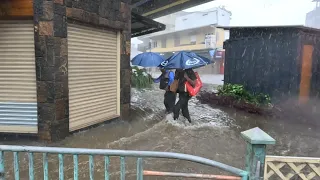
<point x="238" y="92"/>
<point x="140" y="78"/>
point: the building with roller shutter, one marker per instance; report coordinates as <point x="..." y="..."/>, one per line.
<point x="64" y="64"/>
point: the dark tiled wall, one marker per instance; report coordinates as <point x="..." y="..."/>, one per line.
<point x="265" y="62"/>
<point x="51" y="19"/>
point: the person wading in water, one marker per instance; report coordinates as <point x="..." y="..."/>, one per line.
<point x="166" y="79"/>
<point x="183" y="76"/>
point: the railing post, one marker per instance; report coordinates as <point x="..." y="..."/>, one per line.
<point x="256" y="140"/>
<point x="2" y="172"/>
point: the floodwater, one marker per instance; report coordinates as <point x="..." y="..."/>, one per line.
<point x="214" y="134"/>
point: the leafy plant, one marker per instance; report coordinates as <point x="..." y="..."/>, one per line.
<point x="140" y="78"/>
<point x="238" y="92"/>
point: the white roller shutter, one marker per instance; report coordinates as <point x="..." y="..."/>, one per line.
<point x="93" y="76"/>
<point x="18" y="92"/>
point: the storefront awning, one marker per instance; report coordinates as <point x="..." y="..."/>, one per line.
<point x="157" y="8"/>
<point x="141" y="25"/>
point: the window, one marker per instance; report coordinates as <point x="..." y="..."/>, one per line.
<point x="177" y="41"/>
<point x="163" y="43"/>
<point x="207" y="35"/>
<point x="193" y="39"/>
<point x="154" y="44"/>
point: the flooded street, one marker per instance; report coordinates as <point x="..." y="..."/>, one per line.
<point x="214" y="134"/>
<point x="84" y="80"/>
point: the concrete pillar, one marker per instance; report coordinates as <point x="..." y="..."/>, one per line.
<point x="256" y="140"/>
<point x="125" y="68"/>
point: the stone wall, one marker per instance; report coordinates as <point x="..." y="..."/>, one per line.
<point x="52" y="69"/>
<point x="51" y="19"/>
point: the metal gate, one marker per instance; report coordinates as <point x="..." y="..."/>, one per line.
<point x="18" y="92"/>
<point x="93" y="61"/>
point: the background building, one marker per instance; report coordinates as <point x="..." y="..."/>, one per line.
<point x="189" y="31"/>
<point x="313" y="17"/>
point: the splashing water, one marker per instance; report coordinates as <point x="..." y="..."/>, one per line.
<point x="202" y="115"/>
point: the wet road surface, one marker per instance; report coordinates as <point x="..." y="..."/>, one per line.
<point x="214" y="134"/>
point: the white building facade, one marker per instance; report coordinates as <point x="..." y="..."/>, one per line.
<point x="189" y="21"/>
<point x="313" y="17"/>
<point x="216" y="16"/>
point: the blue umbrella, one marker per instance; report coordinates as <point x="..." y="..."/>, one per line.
<point x="147" y="59"/>
<point x="185" y="60"/>
<point x="212" y="52"/>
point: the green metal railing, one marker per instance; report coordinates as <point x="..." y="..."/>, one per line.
<point x="107" y="153"/>
<point x="256" y="142"/>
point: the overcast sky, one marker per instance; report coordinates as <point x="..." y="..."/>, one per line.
<point x="263" y="12"/>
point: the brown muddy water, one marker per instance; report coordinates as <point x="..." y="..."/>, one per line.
<point x="214" y="134"/>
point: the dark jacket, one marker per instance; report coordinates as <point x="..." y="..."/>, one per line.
<point x="182" y="80"/>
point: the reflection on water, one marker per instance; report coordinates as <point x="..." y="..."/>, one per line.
<point x="214" y="134"/>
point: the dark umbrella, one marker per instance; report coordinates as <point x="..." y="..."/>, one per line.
<point x="147" y="59"/>
<point x="185" y="60"/>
